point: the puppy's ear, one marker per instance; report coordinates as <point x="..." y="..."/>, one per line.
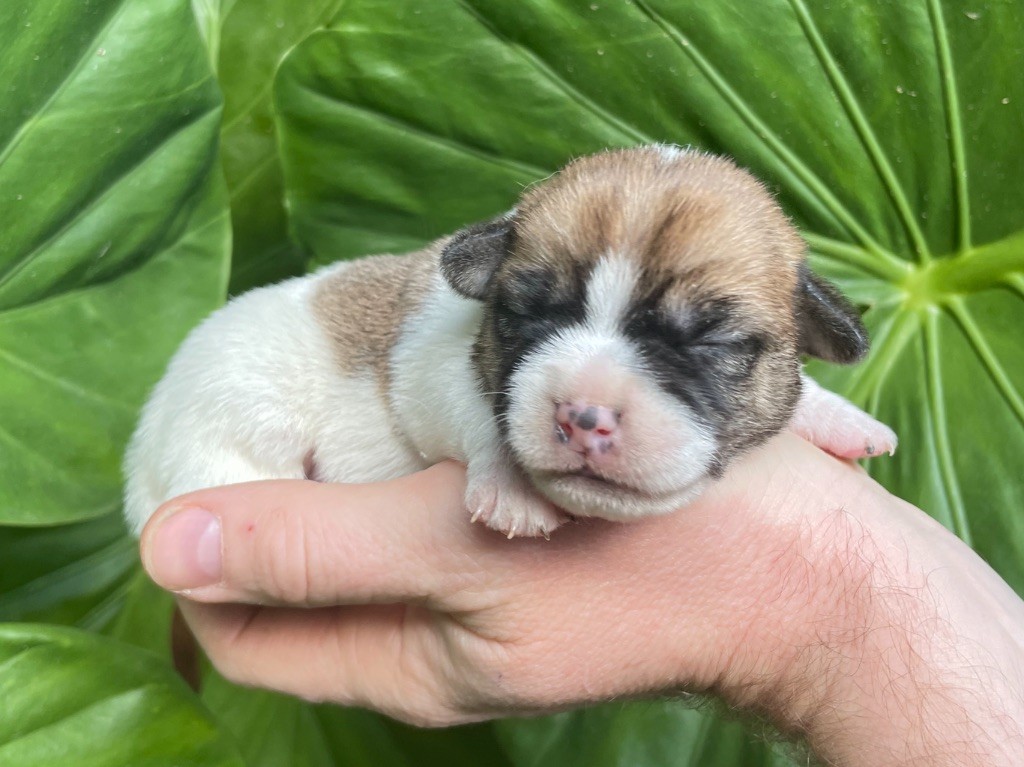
<point x="472" y="256"/>
<point x="829" y="326"/>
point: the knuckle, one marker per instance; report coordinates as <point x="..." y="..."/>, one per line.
<point x="286" y="556"/>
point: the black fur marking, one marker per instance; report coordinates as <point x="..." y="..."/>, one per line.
<point x="830" y="328"/>
<point x="528" y="308"/>
<point x="716" y="468"/>
<point x="701" y="358"/>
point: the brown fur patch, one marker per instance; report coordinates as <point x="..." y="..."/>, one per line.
<point x="694" y="218"/>
<point x="362" y="307"/>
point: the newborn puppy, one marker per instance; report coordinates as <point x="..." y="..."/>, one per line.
<point x="604" y="349"/>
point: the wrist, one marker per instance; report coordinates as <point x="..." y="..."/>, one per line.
<point x="866" y="645"/>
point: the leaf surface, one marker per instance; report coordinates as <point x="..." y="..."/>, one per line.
<point x="68" y="697"/>
<point x="892" y="133"/>
<point x="275" y="729"/>
<point x="255" y="36"/>
<point x="117" y="242"/>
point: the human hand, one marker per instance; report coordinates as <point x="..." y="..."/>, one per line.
<point x="795" y="587"/>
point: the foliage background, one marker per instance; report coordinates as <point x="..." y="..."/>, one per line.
<point x="157" y="156"/>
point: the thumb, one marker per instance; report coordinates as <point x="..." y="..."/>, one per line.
<point x="306" y="543"/>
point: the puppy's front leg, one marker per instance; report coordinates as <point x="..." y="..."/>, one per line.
<point x="838" y="426"/>
<point x="498" y="494"/>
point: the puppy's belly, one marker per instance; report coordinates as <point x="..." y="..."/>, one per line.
<point x="255" y="393"/>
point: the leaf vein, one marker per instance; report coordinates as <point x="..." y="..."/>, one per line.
<point x="89" y="50"/>
<point x="516" y="166"/>
<point x="974" y="336"/>
<point x="803" y="178"/>
<point x="568" y="89"/>
<point x="947" y="75"/>
<point x="26" y="260"/>
<point x="855" y="113"/>
<point x="63" y="383"/>
<point x="947" y="468"/>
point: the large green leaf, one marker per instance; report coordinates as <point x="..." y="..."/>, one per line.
<point x="619" y="735"/>
<point x="67" y="697"/>
<point x="894" y="134"/>
<point x="74" y="574"/>
<point x="115" y="242"/>
<point x="274" y="730"/>
<point x="254" y="38"/>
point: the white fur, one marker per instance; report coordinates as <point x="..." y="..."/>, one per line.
<point x="249" y="395"/>
<point x="664" y="451"/>
<point x="668" y="152"/>
<point x="256" y="390"/>
<point x="434" y="391"/>
<point x="438" y="403"/>
<point x="609" y="291"/>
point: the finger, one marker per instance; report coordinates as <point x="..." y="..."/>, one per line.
<point x="385" y="657"/>
<point x="307" y="543"/>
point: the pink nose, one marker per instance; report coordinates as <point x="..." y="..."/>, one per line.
<point x="585" y="428"/>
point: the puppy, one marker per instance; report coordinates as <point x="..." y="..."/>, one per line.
<point x="605" y="349"/>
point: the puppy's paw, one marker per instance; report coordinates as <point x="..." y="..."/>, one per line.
<point x="838" y="426"/>
<point x="511" y="506"/>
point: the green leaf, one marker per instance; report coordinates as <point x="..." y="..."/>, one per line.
<point x="624" y="735"/>
<point x="67" y="697"/>
<point x="140" y="614"/>
<point x="87" y="575"/>
<point x="64" y="574"/>
<point x="275" y="729"/>
<point x="117" y="242"/>
<point x="893" y="134"/>
<point x="255" y="37"/>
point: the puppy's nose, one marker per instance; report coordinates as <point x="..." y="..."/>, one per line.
<point x="585" y="428"/>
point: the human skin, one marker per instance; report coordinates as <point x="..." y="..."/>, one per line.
<point x="795" y="587"/>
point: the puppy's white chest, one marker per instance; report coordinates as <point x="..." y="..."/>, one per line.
<point x="435" y="395"/>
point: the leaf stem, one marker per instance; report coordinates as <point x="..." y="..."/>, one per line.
<point x="883" y="264"/>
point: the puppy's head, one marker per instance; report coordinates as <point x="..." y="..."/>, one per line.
<point x="644" y="315"/>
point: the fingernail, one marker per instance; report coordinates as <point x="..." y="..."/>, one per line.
<point x="185" y="550"/>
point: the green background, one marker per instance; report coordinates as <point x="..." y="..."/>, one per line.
<point x="157" y="156"/>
